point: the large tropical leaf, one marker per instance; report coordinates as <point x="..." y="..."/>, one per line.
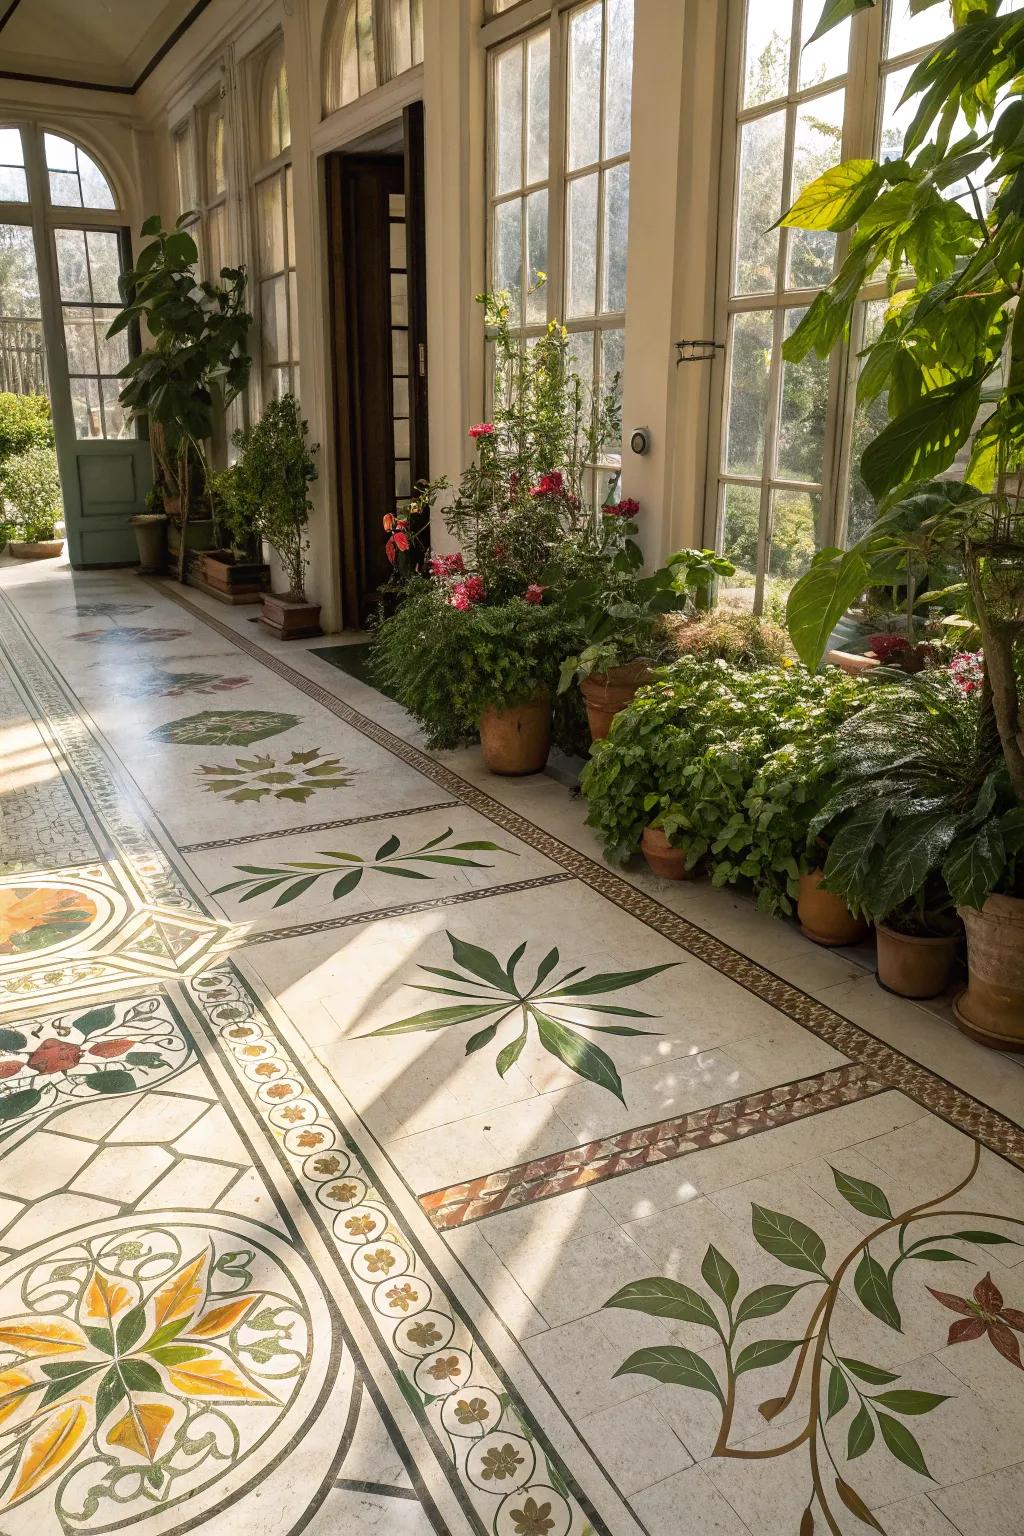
<point x="821" y="597"/>
<point x="436" y="1018"/>
<point x="836" y="11"/>
<point x="479" y="962"/>
<point x="678" y="1367"/>
<point x="836" y="199"/>
<point x="661" y="1297"/>
<point x="578" y="1054"/>
<point x="610" y="981"/>
<point x="923" y="441"/>
<point x="974" y="865"/>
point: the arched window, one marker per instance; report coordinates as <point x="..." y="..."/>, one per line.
<point x="406" y="18"/>
<point x="351" y="54"/>
<point x="214" y="187"/>
<point x="275" y="118"/>
<point x="274" y="226"/>
<point x="75" y="179"/>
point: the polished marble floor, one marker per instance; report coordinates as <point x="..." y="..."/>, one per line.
<point x="375" y="1159"/>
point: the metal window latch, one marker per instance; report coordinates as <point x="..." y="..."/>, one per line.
<point x="697" y="351"/>
<point x="422" y="354"/>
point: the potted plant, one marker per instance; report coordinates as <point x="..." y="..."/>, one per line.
<point x="269" y="493"/>
<point x="151" y="533"/>
<point x="622" y="613"/>
<point x="476" y="637"/>
<point x="30" y="503"/>
<point x="195" y="365"/>
<point x="955" y="340"/>
<point x="234" y="572"/>
<point x="660" y="841"/>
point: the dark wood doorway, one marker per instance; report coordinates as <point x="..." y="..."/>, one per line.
<point x="376" y="249"/>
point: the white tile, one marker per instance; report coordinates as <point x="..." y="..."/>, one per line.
<point x="56" y="1214"/>
<point x="158" y="1117"/>
<point x="191" y="1185"/>
<point x="662" y="1507"/>
<point x="124" y="1172"/>
<point x="42" y="1163"/>
<point x="634" y="1445"/>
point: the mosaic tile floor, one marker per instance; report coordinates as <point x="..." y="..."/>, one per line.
<point x="373" y="1159"/>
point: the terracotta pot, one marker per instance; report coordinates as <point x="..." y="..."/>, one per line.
<point x="826" y="918"/>
<point x="852" y="664"/>
<point x="605" y="693"/>
<point x="290" y="618"/>
<point x="151" y="538"/>
<point x="992" y="1008"/>
<point x="517" y="740"/>
<point x="662" y="859"/>
<point x="915" y="967"/>
<point x="39" y="549"/>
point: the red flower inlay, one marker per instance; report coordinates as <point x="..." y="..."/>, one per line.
<point x="54" y="1056"/>
<point x="985" y="1314"/>
<point x="108" y="1048"/>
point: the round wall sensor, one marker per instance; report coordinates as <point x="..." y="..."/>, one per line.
<point x="640" y="440"/>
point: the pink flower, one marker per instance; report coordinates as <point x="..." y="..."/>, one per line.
<point x="473" y="586"/>
<point x="447" y="565"/>
<point x="627" y="508"/>
<point x="483" y="429"/>
<point x="459" y="600"/>
<point x="967" y="669"/>
<point x="533" y="593"/>
<point x="552" y="484"/>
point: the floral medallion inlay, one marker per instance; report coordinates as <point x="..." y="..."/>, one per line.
<point x="38" y="918"/>
<point x="224" y="728"/>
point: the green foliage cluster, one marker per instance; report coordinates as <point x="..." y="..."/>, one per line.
<point x="734" y="765"/>
<point x="30" y="494"/>
<point x="739" y="638"/>
<point x="24" y="423"/>
<point x="266" y="492"/>
<point x="922" y="810"/>
<point x="446" y="666"/>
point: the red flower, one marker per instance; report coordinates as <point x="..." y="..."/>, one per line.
<point x="985" y="1314"/>
<point x="108" y="1048"/>
<point x="886" y="646"/>
<point x="459" y="600"/>
<point x="627" y="508"/>
<point x="484" y="429"/>
<point x="552" y="484"/>
<point x="534" y="593"/>
<point x="54" y="1056"/>
<point x="402" y="541"/>
<point x="9" y="1068"/>
<point x="389" y="521"/>
<point x="447" y="565"/>
<point x="467" y="593"/>
<point x="391" y="550"/>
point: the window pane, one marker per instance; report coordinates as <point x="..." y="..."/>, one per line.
<point x="618" y="91"/>
<point x="216" y="173"/>
<point x="366" y="46"/>
<point x="508" y="134"/>
<point x="766" y="52"/>
<point x="907" y="32"/>
<point x="270" y="225"/>
<point x="293" y="318"/>
<point x="13" y="184"/>
<point x="22" y="357"/>
<point x="19" y="281"/>
<point x="801" y="442"/>
<point x="65" y="191"/>
<point x="750" y="353"/>
<point x="397" y="256"/>
<point x="538" y="89"/>
<point x="104" y="265"/>
<point x="581" y="355"/>
<point x="582" y="234"/>
<point x="96" y="190"/>
<point x="399" y="298"/>
<point x="60" y="153"/>
<point x="870" y="417"/>
<point x="274" y="315"/>
<point x="185" y="170"/>
<point x="829" y="57"/>
<point x="72" y="266"/>
<point x="113" y="354"/>
<point x="536" y="254"/>
<point x="613" y="350"/>
<point x="216" y="242"/>
<point x="818" y="144"/>
<point x="759" y="203"/>
<point x="401" y="36"/>
<point x="616" y="235"/>
<point x="793" y="542"/>
<point x="741" y="513"/>
<point x="80" y="340"/>
<point x="85" y="407"/>
<point x="400" y="352"/>
<point x="11" y="152"/>
<point x="585" y="86"/>
<point x="401" y="428"/>
<point x="508" y="253"/>
<point x="113" y="412"/>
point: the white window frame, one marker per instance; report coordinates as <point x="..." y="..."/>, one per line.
<point x="261" y="170"/>
<point x="864" y="83"/>
<point x="385" y="51"/>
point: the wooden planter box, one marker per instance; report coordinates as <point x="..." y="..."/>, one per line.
<point x="288" y="618"/>
<point x="235" y="581"/>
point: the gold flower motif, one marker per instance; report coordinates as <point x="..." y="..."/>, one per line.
<point x="424" y="1335"/>
<point x="360" y="1226"/>
<point x="326" y="1165"/>
<point x="380" y="1260"/>
<point x="471" y="1411"/>
<point x="533" y="1519"/>
<point x="446" y="1369"/>
<point x="501" y="1461"/>
<point x="402" y="1296"/>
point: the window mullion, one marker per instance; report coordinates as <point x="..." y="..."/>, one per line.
<point x="558" y="79"/>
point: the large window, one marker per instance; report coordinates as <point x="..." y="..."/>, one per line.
<point x="274" y="261"/>
<point x="559" y="139"/>
<point x="787" y="439"/>
<point x="202" y="172"/>
<point x="367" y="43"/>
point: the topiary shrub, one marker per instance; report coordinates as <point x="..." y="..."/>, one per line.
<point x="30" y="494"/>
<point x="24" y="423"/>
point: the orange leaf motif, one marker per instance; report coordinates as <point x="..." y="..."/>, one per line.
<point x="214" y="1376"/>
<point x="105" y="1299"/>
<point x="15" y="1386"/>
<point x="183" y="1291"/>
<point x="142" y="1429"/>
<point x="50" y="1448"/>
<point x="220" y="1319"/>
<point x="31" y="1336"/>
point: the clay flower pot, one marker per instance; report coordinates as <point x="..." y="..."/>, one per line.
<point x="39" y="549"/>
<point x="605" y="693"/>
<point x="992" y="1008"/>
<point x="913" y="966"/>
<point x="662" y="859"/>
<point x="826" y="918"/>
<point x="151" y="539"/>
<point x="517" y="740"/>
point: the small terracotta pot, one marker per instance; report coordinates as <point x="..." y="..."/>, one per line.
<point x="852" y="664"/>
<point x="289" y="618"/>
<point x="517" y="740"/>
<point x="605" y="693"/>
<point x="992" y="1008"/>
<point x="826" y="918"/>
<point x="662" y="859"/>
<point x="913" y="966"/>
<point x="39" y="549"/>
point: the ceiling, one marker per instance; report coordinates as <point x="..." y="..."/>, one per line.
<point x="107" y="43"/>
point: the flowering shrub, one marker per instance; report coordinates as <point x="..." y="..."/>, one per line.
<point x="967" y="669"/>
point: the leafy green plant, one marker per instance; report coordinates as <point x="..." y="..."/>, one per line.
<point x="446" y="664"/>
<point x="491" y="989"/>
<point x="30" y="494"/>
<point x="197" y="357"/>
<point x="950" y="353"/>
<point x="297" y="876"/>
<point x="732" y="764"/>
<point x="742" y="639"/>
<point x="921" y="794"/>
<point x="840" y="1392"/>
<point x="269" y="491"/>
<point x="25" y="422"/>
